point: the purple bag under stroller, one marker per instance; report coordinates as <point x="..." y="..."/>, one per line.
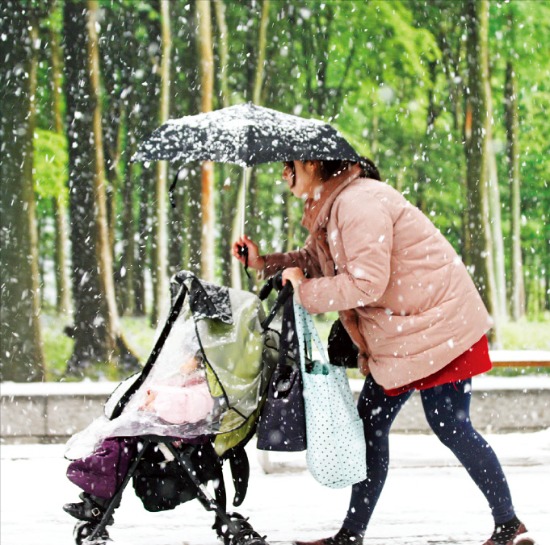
<point x="102" y="472"/>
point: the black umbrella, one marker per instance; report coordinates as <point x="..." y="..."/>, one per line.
<point x="246" y="135"/>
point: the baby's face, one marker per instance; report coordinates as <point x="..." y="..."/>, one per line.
<point x="189" y="366"/>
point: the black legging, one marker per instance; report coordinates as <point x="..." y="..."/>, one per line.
<point x="447" y="410"/>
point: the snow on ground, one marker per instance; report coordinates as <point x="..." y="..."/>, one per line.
<point x="428" y="499"/>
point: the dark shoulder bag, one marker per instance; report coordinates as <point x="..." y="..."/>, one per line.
<point x="341" y="349"/>
<point x="282" y="425"/>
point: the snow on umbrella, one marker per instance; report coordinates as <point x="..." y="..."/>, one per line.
<point x="245" y="135"/>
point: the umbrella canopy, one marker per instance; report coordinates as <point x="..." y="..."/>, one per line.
<point x="245" y="135"/>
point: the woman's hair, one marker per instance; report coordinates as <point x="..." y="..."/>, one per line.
<point x="290" y="165"/>
<point x="369" y="169"/>
<point x="327" y="169"/>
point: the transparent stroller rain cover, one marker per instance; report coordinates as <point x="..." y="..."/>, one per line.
<point x="207" y="379"/>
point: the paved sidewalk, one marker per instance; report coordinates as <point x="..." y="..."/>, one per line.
<point x="428" y="499"/>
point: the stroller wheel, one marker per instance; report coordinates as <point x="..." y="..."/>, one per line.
<point x="82" y="532"/>
<point x="248" y="539"/>
<point x="238" y="532"/>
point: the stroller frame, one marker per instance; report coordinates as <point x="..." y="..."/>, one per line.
<point x="233" y="528"/>
<point x="237" y="529"/>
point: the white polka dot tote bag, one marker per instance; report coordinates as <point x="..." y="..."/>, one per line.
<point x="335" y="439"/>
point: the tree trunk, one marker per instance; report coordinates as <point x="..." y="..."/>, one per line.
<point x="103" y="243"/>
<point x="223" y="45"/>
<point x="494" y="210"/>
<point x="206" y="63"/>
<point x="253" y="212"/>
<point x="228" y="194"/>
<point x="160" y="227"/>
<point x="496" y="233"/>
<point x="88" y="329"/>
<point x="260" y="61"/>
<point x="147" y="97"/>
<point x="324" y="34"/>
<point x="141" y="243"/>
<point x="126" y="270"/>
<point x="512" y="141"/>
<point x="115" y="64"/>
<point x="113" y="189"/>
<point x="478" y="227"/>
<point x="21" y="356"/>
<point x="208" y="213"/>
<point x="63" y="299"/>
<point x="431" y="115"/>
<point x="535" y="299"/>
<point x="176" y="230"/>
<point x="96" y="329"/>
<point x="127" y="263"/>
<point x="193" y="233"/>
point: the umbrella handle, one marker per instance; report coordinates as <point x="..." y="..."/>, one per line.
<point x="243" y="251"/>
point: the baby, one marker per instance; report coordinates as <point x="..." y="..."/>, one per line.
<point x="183" y="399"/>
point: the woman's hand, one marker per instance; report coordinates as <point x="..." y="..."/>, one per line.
<point x="295" y="276"/>
<point x="255" y="260"/>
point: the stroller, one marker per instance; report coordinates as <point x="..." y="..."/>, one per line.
<point x="195" y="404"/>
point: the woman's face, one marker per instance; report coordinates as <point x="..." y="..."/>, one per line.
<point x="302" y="178"/>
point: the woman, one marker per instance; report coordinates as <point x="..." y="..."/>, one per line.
<point x="412" y="310"/>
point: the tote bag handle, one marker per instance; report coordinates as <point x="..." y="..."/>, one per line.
<point x="306" y="331"/>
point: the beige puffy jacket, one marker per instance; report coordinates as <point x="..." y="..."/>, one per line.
<point x="401" y="290"/>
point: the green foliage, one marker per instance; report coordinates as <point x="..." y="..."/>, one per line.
<point x="140" y="335"/>
<point x="525" y="335"/>
<point x="528" y="334"/>
<point x="58" y="347"/>
<point x="379" y="70"/>
<point x="409" y="48"/>
<point x="50" y="165"/>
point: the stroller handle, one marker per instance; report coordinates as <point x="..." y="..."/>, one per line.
<point x="276" y="281"/>
<point x="284" y="294"/>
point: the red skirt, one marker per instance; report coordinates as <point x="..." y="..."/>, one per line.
<point x="474" y="361"/>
